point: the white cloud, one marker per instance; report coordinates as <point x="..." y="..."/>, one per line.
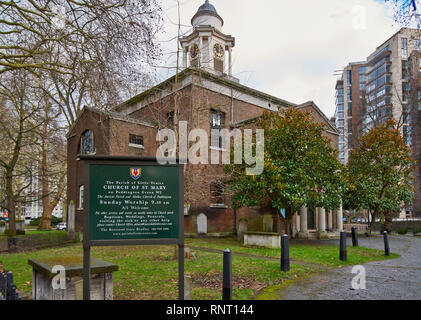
<point x="290" y="49"/>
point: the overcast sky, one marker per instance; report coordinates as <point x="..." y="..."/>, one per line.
<point x="289" y="48"/>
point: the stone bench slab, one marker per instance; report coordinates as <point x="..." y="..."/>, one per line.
<point x="72" y="265"/>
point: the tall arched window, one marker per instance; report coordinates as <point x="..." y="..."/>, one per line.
<point x="87" y="143"/>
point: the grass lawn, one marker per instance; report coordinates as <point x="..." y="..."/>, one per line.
<point x="324" y="255"/>
<point x="150" y="272"/>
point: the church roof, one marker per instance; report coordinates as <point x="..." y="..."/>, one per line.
<point x="207" y="9"/>
<point x="204" y="75"/>
<point x="331" y="125"/>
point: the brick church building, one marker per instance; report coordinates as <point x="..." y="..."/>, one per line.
<point x="207" y="96"/>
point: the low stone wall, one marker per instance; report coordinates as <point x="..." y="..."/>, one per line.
<point x="262" y="239"/>
<point x="4" y="247"/>
<point x="411" y="225"/>
<point x="362" y="228"/>
<point x="31" y="242"/>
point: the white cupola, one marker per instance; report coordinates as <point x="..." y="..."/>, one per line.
<point x="206" y="15"/>
<point x="207" y="47"/>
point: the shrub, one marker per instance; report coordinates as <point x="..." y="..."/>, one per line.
<point x="417" y="230"/>
<point x="54" y="221"/>
<point x="402" y="231"/>
<point x="35" y="222"/>
<point x="2" y="223"/>
<point x="18" y="232"/>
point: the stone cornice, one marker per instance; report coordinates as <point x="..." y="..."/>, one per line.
<point x="214" y="32"/>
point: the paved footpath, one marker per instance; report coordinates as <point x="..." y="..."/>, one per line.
<point x="395" y="279"/>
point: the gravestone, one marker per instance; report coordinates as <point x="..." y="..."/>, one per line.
<point x="267" y="223"/>
<point x="242" y="227"/>
<point x="202" y="224"/>
<point x="71" y="220"/>
<point x="187" y="287"/>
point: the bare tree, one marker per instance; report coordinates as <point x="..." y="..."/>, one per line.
<point x="51" y="162"/>
<point x="30" y="30"/>
<point x="108" y="60"/>
<point x="67" y="54"/>
<point x="17" y="128"/>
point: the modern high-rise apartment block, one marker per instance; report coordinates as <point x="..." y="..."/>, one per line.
<point x="384" y="86"/>
<point x="348" y="100"/>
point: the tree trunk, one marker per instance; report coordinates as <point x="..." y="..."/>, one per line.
<point x="388" y="221"/>
<point x="287" y="226"/>
<point x="10" y="203"/>
<point x="369" y="224"/>
<point x="45" y="223"/>
<point x="64" y="206"/>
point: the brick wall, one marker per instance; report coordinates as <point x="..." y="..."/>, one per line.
<point x="111" y="137"/>
<point x="195" y="104"/>
<point x="88" y="121"/>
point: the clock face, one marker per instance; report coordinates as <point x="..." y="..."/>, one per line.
<point x="218" y="50"/>
<point x="194" y="51"/>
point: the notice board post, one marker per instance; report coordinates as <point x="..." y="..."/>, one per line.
<point x="132" y="201"/>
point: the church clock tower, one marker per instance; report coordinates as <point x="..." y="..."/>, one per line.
<point x="207" y="47"/>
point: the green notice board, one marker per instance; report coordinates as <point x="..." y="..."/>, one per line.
<point x="129" y="202"/>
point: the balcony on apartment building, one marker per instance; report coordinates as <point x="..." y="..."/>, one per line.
<point x="380" y="54"/>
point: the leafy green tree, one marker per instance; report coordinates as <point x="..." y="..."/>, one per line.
<point x="380" y="173"/>
<point x="300" y="167"/>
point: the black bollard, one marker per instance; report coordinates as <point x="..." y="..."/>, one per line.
<point x="386" y="244"/>
<point x="227" y="275"/>
<point x="342" y="247"/>
<point x="354" y="237"/>
<point x="285" y="253"/>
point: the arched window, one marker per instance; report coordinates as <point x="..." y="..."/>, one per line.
<point x="87" y="143"/>
<point x="218" y="195"/>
